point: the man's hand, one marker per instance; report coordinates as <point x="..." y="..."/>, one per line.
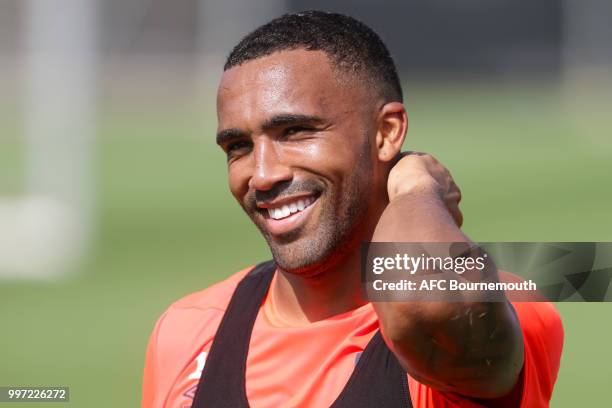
<point x="421" y="173"/>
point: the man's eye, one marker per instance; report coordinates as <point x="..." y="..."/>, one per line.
<point x="296" y="129"/>
<point x="238" y="147"/>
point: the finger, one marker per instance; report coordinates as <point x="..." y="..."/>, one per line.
<point x="452" y="204"/>
<point x="405" y="154"/>
<point x="456" y="191"/>
<point x="456" y="213"/>
<point x="453" y="197"/>
<point x="412" y="153"/>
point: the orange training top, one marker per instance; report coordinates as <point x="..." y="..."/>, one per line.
<point x="308" y="366"/>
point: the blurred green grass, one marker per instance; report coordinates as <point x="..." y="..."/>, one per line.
<point x="167" y="226"/>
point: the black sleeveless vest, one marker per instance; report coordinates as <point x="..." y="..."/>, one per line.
<point x="378" y="379"/>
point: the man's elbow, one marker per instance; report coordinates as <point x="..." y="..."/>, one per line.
<point x="484" y="367"/>
<point x="492" y="378"/>
<point x="491" y="382"/>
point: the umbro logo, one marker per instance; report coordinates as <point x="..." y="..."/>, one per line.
<point x="200" y="361"/>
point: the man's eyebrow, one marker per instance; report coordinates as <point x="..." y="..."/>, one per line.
<point x="290" y="119"/>
<point x="227" y="135"/>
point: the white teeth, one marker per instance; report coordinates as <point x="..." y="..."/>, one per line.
<point x="275" y="213"/>
<point x="286" y="210"/>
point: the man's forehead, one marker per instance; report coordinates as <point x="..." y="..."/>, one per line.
<point x="279" y="65"/>
<point x="279" y="80"/>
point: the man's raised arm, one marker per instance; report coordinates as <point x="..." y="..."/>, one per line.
<point x="469" y="347"/>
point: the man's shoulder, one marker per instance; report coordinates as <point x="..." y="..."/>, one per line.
<point x="541" y="316"/>
<point x="543" y="341"/>
<point x="194" y="318"/>
<point x="187" y="326"/>
<point x="215" y="297"/>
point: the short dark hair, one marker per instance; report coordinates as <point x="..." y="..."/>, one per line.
<point x="350" y="44"/>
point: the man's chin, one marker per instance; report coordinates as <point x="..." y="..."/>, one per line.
<point x="286" y="239"/>
<point x="304" y="260"/>
<point x="296" y="258"/>
<point x="304" y="269"/>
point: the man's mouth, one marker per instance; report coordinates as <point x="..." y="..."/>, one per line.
<point x="287" y="209"/>
<point x="288" y="214"/>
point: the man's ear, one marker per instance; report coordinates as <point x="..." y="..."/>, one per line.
<point x="392" y="125"/>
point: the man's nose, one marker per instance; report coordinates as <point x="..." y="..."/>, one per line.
<point x="269" y="166"/>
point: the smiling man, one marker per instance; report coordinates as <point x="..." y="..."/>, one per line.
<point x="311" y="118"/>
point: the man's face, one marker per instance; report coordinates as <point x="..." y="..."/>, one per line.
<point x="300" y="158"/>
